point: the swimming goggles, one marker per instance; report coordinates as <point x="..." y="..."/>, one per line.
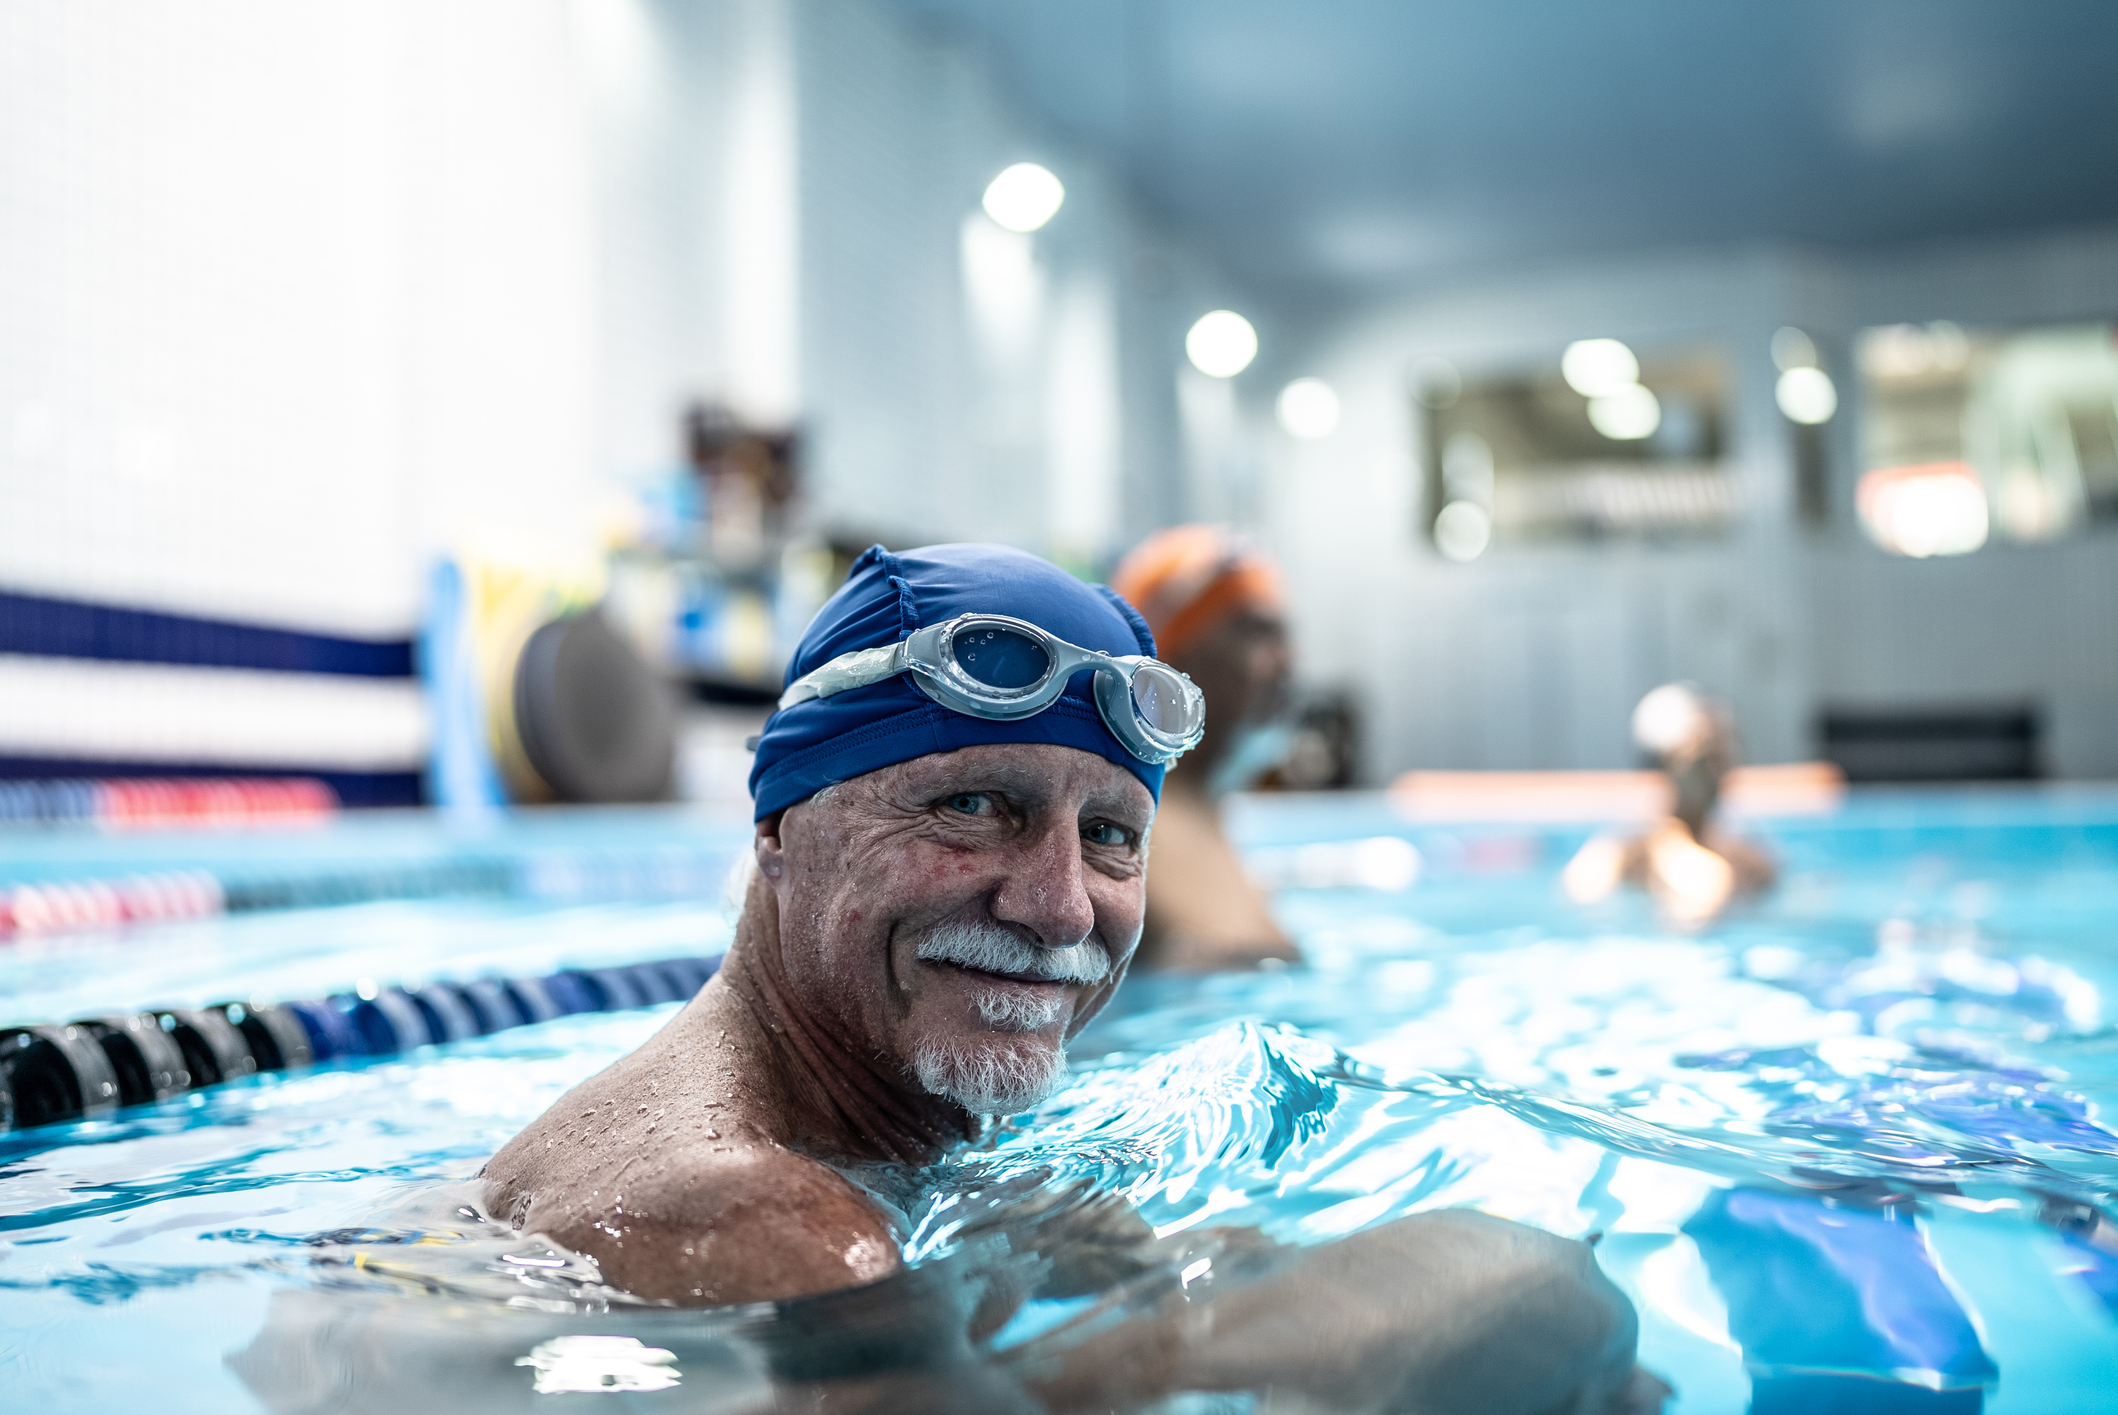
<point x="1003" y="669"/>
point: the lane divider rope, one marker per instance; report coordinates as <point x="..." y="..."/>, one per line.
<point x="556" y="874"/>
<point x="88" y="1069"/>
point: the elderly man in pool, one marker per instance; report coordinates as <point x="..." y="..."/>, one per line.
<point x="954" y="804"/>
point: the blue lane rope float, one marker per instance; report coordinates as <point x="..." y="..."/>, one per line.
<point x="85" y="1070"/>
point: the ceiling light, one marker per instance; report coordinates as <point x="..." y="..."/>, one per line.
<point x="1463" y="530"/>
<point x="1221" y="344"/>
<point x="1024" y="197"/>
<point x="1595" y="367"/>
<point x="1807" y="395"/>
<point x="1627" y="415"/>
<point x="1308" y="408"/>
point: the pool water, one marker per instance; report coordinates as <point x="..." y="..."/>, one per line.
<point x="1856" y="1134"/>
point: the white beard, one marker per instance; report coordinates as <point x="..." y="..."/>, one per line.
<point x="1007" y="1071"/>
<point x="1005" y="1010"/>
<point x="992" y="1078"/>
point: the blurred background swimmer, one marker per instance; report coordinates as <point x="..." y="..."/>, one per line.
<point x="1691" y="867"/>
<point x="1218" y="610"/>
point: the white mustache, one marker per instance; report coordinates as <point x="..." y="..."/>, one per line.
<point x="993" y="950"/>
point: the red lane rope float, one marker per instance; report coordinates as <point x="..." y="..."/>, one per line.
<point x="129" y="803"/>
<point x="67" y="906"/>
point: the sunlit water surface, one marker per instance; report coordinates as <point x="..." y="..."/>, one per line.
<point x="1885" y="1087"/>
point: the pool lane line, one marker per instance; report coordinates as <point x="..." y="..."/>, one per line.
<point x="91" y="1068"/>
<point x="661" y="873"/>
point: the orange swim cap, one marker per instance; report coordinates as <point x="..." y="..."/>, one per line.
<point x="1188" y="578"/>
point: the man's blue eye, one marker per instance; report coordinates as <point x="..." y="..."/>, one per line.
<point x="1105" y="834"/>
<point x="970" y="805"/>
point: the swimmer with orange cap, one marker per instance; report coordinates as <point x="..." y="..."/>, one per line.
<point x="1218" y="611"/>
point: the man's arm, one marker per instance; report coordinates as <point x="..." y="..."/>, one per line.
<point x="1441" y="1313"/>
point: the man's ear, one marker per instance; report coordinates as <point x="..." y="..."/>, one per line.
<point x="771" y="854"/>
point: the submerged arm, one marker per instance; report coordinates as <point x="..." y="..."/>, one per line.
<point x="1441" y="1313"/>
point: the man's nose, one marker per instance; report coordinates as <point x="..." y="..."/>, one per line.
<point x="1045" y="889"/>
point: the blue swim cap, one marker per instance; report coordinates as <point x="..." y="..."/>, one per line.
<point x="886" y="597"/>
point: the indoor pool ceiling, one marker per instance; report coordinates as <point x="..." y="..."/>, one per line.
<point x="1347" y="142"/>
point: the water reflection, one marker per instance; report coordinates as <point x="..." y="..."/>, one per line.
<point x="1799" y="1169"/>
<point x="1831" y="1147"/>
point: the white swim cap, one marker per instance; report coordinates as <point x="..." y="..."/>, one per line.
<point x="1670" y="716"/>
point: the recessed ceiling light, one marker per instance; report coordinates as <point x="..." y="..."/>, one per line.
<point x="1463" y="530"/>
<point x="1308" y="408"/>
<point x="1024" y="197"/>
<point x="1627" y="415"/>
<point x="1806" y="395"/>
<point x="1594" y="367"/>
<point x="1221" y="344"/>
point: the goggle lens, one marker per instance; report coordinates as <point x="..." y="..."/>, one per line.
<point x="1001" y="658"/>
<point x="1159" y="697"/>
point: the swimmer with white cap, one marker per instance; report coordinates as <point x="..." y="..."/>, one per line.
<point x="1691" y="866"/>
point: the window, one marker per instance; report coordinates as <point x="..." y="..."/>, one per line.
<point x="1967" y="433"/>
<point x="1601" y="446"/>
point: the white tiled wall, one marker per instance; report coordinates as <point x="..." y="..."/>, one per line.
<point x="293" y="298"/>
<point x="285" y="293"/>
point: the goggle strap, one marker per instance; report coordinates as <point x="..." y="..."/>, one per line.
<point x="846" y="672"/>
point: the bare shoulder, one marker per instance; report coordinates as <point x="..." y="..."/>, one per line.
<point x="680" y="1191"/>
<point x="703" y="1222"/>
